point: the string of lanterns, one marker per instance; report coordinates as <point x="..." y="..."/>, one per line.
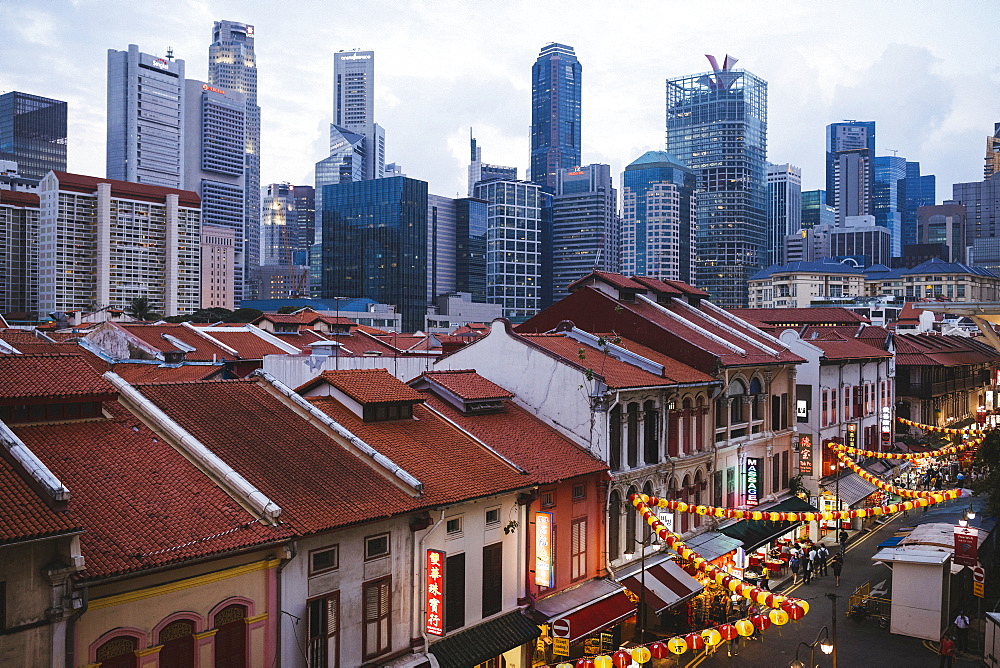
<point x="942" y="430"/>
<point x="947" y="450"/>
<point x="921" y="498"/>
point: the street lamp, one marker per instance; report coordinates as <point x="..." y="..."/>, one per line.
<point x="825" y="646"/>
<point x="640" y="627"/>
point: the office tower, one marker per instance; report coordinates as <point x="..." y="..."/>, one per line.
<point x="920" y="191"/>
<point x="218" y="267"/>
<point x="18" y="254"/>
<point x="859" y="238"/>
<point x="784" y="208"/>
<point x="145" y="118"/>
<point x="992" y="153"/>
<point x="810" y="244"/>
<point x="717" y="126"/>
<point x="471" y="217"/>
<point x="889" y="198"/>
<point x="854" y="178"/>
<point x="99" y="261"/>
<point x="555" y="113"/>
<point x="943" y="224"/>
<point x="353" y="105"/>
<point x="848" y="136"/>
<point x="232" y="66"/>
<point x="442" y="227"/>
<point x="305" y="216"/>
<point x="815" y="210"/>
<point x="584" y="226"/>
<point x="33" y="134"/>
<point x="481" y="171"/>
<point x="345" y="163"/>
<point x="214" y="167"/>
<point x="513" y="248"/>
<point x="659" y="218"/>
<point x="982" y="207"/>
<point x="375" y="244"/>
<point x="279" y="230"/>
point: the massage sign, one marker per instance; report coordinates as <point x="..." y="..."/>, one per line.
<point x="753" y="480"/>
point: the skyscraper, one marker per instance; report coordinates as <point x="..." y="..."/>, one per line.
<point x="354" y="105"/>
<point x="717" y="126"/>
<point x="659" y="218"/>
<point x="854" y="183"/>
<point x="232" y="66"/>
<point x="846" y="136"/>
<point x="815" y="210"/>
<point x="920" y="191"/>
<point x="584" y="226"/>
<point x="889" y="198"/>
<point x="279" y="230"/>
<point x="480" y="171"/>
<point x="145" y="118"/>
<point x="992" y="153"/>
<point x="33" y="133"/>
<point x="784" y="208"/>
<point x="555" y="113"/>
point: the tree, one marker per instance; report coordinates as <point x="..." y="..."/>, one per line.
<point x="244" y="315"/>
<point x="284" y="310"/>
<point x="988" y="460"/>
<point x="140" y="309"/>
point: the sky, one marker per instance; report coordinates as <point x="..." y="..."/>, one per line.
<point x="924" y="71"/>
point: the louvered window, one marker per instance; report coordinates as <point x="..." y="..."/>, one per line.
<point x="578" y="558"/>
<point x="324" y="631"/>
<point x="377" y="617"/>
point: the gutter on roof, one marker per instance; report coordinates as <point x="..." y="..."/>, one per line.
<point x="207" y="337"/>
<point x="416" y="487"/>
<point x="623" y="354"/>
<point x="233" y="483"/>
<point x="32" y="465"/>
<point x="687" y="323"/>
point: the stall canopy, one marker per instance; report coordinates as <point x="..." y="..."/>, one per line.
<point x="853" y="489"/>
<point x="587" y="609"/>
<point x="712" y="544"/>
<point x="754" y="533"/>
<point x="666" y="584"/>
<point x="485" y="641"/>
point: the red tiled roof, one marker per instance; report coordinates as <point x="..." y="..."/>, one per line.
<point x="154" y="373"/>
<point x="126" y="190"/>
<point x="942" y="350"/>
<point x="302" y="338"/>
<point x="616" y="280"/>
<point x="849" y="349"/>
<point x="657" y="285"/>
<point x="616" y="374"/>
<point x="366" y="386"/>
<point x="18" y="198"/>
<point x="672" y="369"/>
<point x="468" y="385"/>
<point x="204" y="349"/>
<point x="25" y="516"/>
<point x="799" y="316"/>
<point x="138" y="499"/>
<point x="247" y="344"/>
<point x="37" y="376"/>
<point x="410" y="342"/>
<point x="19" y="336"/>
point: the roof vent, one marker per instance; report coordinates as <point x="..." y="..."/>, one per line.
<point x="174" y="356"/>
<point x="324" y="348"/>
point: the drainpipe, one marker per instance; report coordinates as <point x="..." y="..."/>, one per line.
<point x="71" y="626"/>
<point x="291" y="551"/>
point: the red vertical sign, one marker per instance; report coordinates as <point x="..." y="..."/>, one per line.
<point x="966" y="546"/>
<point x="434" y="591"/>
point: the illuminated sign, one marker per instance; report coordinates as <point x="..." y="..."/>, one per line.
<point x="434" y="590"/>
<point x="214" y="90"/>
<point x="543" y="549"/>
<point x="966" y="546"/>
<point x="805" y="454"/>
<point x="161" y="64"/>
<point x="575" y="173"/>
<point x="356" y="57"/>
<point x="886" y="424"/>
<point x="753" y="480"/>
<point x="852" y="435"/>
<point x="249" y="31"/>
<point x="802" y="409"/>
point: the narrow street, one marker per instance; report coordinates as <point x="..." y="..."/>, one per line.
<point x="859" y="645"/>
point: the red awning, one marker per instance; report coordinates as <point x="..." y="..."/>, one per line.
<point x="586" y="608"/>
<point x="666" y="585"/>
<point x="599" y="616"/>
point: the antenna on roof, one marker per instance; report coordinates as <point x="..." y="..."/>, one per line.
<point x="893" y="151"/>
<point x="170" y="53"/>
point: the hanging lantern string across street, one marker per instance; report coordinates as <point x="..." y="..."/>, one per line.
<point x="940" y="430"/>
<point x="928" y="496"/>
<point x="941" y="452"/>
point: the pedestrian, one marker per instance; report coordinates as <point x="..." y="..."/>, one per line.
<point x="947" y="651"/>
<point x="794" y="563"/>
<point x="806" y="569"/>
<point x="962" y="625"/>
<point x="822" y="554"/>
<point x="814" y="561"/>
<point x="843" y="540"/>
<point x="838" y="566"/>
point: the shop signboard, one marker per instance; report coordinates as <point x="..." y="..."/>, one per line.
<point x="607" y="642"/>
<point x="434" y="590"/>
<point x="560" y="646"/>
<point x="805" y="454"/>
<point x="668" y="520"/>
<point x="852" y="435"/>
<point x="885" y="422"/>
<point x="592" y="646"/>
<point x="966" y="546"/>
<point x="753" y="480"/>
<point x="543" y="549"/>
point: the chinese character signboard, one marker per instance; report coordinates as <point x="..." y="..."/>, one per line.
<point x="753" y="480"/>
<point x="434" y="590"/>
<point x="852" y="435"/>
<point x="966" y="546"/>
<point x="543" y="549"/>
<point x="805" y="454"/>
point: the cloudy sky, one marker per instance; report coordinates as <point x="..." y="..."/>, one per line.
<point x="924" y="71"/>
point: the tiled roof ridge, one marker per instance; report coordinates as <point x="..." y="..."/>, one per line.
<point x="188" y="382"/>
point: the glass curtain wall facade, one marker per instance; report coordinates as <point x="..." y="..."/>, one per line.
<point x="279" y="230"/>
<point x="659" y="218"/>
<point x="555" y="113"/>
<point x="921" y="190"/>
<point x="18" y="254"/>
<point x="846" y="136"/>
<point x="471" y="217"/>
<point x="375" y="244"/>
<point x="784" y="208"/>
<point x="513" y="246"/>
<point x="33" y="134"/>
<point x="717" y="126"/>
<point x="815" y="210"/>
<point x="889" y="198"/>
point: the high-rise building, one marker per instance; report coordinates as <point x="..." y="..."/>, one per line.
<point x="481" y="171"/>
<point x="345" y="163"/>
<point x="982" y="207"/>
<point x="145" y="118"/>
<point x="846" y="136"/>
<point x="717" y="126"/>
<point x="354" y="105"/>
<point x="471" y="217"/>
<point x="555" y="113"/>
<point x="815" y="210"/>
<point x="214" y="165"/>
<point x="218" y="267"/>
<point x="375" y="244"/>
<point x="920" y="191"/>
<point x="103" y="243"/>
<point x="584" y="226"/>
<point x="992" y="153"/>
<point x="18" y="254"/>
<point x="279" y="229"/>
<point x="33" y="133"/>
<point x="784" y="208"/>
<point x="232" y="66"/>
<point x="859" y="238"/>
<point x="513" y="247"/>
<point x="889" y="198"/>
<point x="943" y="224"/>
<point x="854" y="178"/>
<point x="305" y="217"/>
<point x="659" y="218"/>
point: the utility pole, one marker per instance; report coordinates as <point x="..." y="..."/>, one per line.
<point x="833" y="612"/>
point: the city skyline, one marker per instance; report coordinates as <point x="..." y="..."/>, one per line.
<point x="930" y="104"/>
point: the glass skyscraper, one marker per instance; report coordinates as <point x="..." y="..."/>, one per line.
<point x="717" y="126"/>
<point x="815" y="210"/>
<point x="846" y="136"/>
<point x="889" y="198"/>
<point x="555" y="113"/>
<point x="33" y="133"/>
<point x="784" y="208"/>
<point x="920" y="191"/>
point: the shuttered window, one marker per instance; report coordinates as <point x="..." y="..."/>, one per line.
<point x="324" y="631"/>
<point x="578" y="558"/>
<point x="492" y="579"/>
<point x="377" y="617"/>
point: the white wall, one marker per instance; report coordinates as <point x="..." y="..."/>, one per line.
<point x="294" y="370"/>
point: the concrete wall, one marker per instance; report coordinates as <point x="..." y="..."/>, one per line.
<point x="27" y="597"/>
<point x="919" y="596"/>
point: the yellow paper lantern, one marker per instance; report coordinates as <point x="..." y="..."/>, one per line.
<point x="603" y="661"/>
<point x="701" y="510"/>
<point x="641" y="654"/>
<point x="564" y="665"/>
<point x="860" y="513"/>
<point x="762" y="596"/>
<point x="877" y="510"/>
<point x="809" y="517"/>
<point x="681" y="506"/>
<point x="804" y="605"/>
<point x="778" y="617"/>
<point x="677" y="645"/>
<point x="774" y="517"/>
<point x="711" y="637"/>
<point x="756" y="515"/>
<point x="662" y="503"/>
<point x="744" y="627"/>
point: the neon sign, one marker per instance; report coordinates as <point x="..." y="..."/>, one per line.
<point x="753" y="480"/>
<point x="434" y="590"/>
<point x="805" y="454"/>
<point x="214" y="90"/>
<point x="543" y="549"/>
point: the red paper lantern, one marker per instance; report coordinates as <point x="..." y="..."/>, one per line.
<point x="659" y="650"/>
<point x="622" y="659"/>
<point x="794" y="611"/>
<point x="695" y="641"/>
<point x="761" y="622"/>
<point x="584" y="663"/>
<point x="728" y="631"/>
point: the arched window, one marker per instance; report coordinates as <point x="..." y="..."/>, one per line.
<point x="755" y="390"/>
<point x="633" y="434"/>
<point x="614" y="525"/>
<point x="650" y="430"/>
<point x="615" y="438"/>
<point x="177" y="639"/>
<point x="231" y="638"/>
<point x="630" y="520"/>
<point x="737" y="390"/>
<point x="647" y="489"/>
<point x="119" y="652"/>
